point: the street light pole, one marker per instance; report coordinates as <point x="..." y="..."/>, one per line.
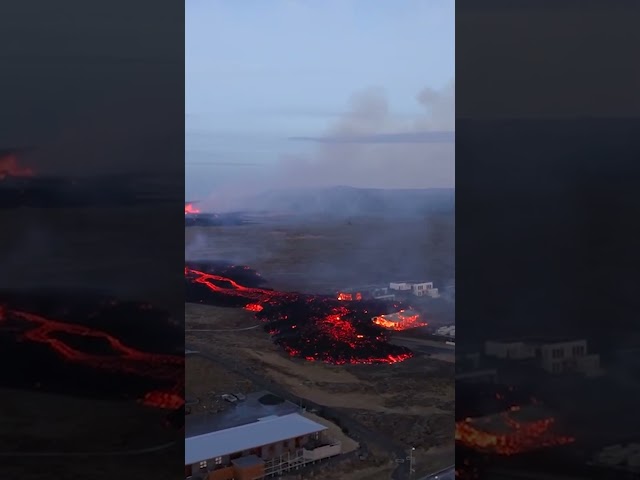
<point x="411" y="469"/>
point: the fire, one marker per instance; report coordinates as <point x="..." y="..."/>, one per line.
<point x="9" y="167"/>
<point x="349" y="297"/>
<point x="516" y="436"/>
<point x="189" y="209"/>
<point x="122" y="359"/>
<point x="312" y="327"/>
<point x="163" y="400"/>
<point x="400" y="321"/>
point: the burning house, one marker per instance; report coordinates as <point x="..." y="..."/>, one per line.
<point x="254" y="441"/>
<point x="377" y="292"/>
<point x="402" y="320"/>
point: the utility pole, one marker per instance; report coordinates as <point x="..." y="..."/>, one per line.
<point x="411" y="469"/>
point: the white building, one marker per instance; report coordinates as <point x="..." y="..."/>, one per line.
<point x="419" y="289"/>
<point x="511" y="349"/>
<point x="556" y="357"/>
<point x="448" y="331"/>
<point x="569" y="357"/>
<point x="258" y="449"/>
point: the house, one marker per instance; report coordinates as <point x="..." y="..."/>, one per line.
<point x="402" y="320"/>
<point x="555" y="357"/>
<point x="510" y="349"/>
<point x="569" y="357"/>
<point x="378" y="292"/>
<point x="251" y="451"/>
<point x="419" y="289"/>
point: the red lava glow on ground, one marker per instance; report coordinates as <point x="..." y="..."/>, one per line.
<point x="349" y="297"/>
<point x="9" y="167"/>
<point x="515" y="436"/>
<point x="121" y="359"/>
<point x="189" y="209"/>
<point x="311" y="327"/>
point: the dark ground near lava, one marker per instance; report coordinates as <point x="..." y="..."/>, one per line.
<point x="312" y="327"/>
<point x="50" y="263"/>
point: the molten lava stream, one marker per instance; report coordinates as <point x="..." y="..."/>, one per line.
<point x="123" y="360"/>
<point x="311" y="327"/>
<point x="521" y="436"/>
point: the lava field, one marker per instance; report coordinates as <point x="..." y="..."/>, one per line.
<point x="193" y="217"/>
<point x="312" y="327"/>
<point x="90" y="345"/>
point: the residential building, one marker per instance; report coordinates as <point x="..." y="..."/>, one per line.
<point x="569" y="357"/>
<point x="553" y="356"/>
<point x="510" y="349"/>
<point x="257" y="437"/>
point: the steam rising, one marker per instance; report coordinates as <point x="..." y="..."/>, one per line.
<point x="368" y="147"/>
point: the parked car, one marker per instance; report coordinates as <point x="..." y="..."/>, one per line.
<point x="229" y="398"/>
<point x="240" y="396"/>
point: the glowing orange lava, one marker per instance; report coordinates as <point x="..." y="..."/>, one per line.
<point x="325" y="330"/>
<point x="9" y="167"/>
<point x="348" y="297"/>
<point x="504" y="434"/>
<point x="189" y="209"/>
<point x="402" y="320"/>
<point x="121" y="359"/>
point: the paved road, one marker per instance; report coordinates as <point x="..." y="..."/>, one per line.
<point x="446" y="474"/>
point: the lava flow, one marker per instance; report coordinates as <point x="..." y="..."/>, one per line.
<point x="507" y="434"/>
<point x="312" y="327"/>
<point x="189" y="209"/>
<point x="114" y="357"/>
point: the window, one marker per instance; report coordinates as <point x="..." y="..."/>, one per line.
<point x="557" y="353"/>
<point x="578" y="351"/>
<point x="555" y="367"/>
<point x="218" y="460"/>
<point x="203" y="465"/>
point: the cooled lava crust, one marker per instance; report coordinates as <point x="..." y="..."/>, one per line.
<point x="89" y="344"/>
<point x="311" y="327"/>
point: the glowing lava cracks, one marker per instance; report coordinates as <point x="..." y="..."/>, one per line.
<point x="166" y="369"/>
<point x="510" y="432"/>
<point x="313" y="327"/>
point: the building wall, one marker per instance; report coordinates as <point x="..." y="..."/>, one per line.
<point x="568" y="357"/>
<point x="510" y="350"/>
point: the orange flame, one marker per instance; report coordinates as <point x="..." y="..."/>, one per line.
<point x="190" y="209"/>
<point x="520" y="437"/>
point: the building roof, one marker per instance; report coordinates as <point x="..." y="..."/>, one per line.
<point x="246" y="437"/>
<point x="240" y="413"/>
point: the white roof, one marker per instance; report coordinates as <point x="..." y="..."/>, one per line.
<point x="245" y="437"/>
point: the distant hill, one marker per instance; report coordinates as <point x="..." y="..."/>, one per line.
<point x="349" y="201"/>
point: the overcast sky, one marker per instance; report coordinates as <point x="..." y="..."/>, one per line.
<point x="259" y="72"/>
